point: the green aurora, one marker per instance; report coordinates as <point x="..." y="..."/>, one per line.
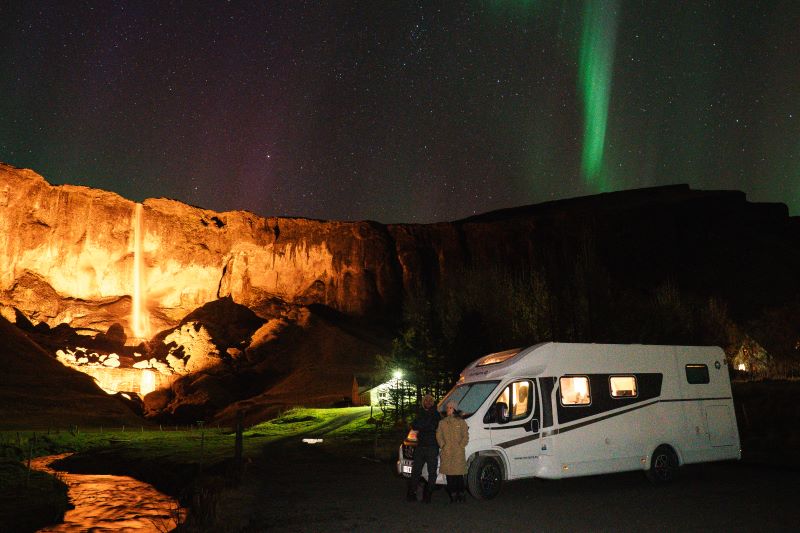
<point x="595" y="73"/>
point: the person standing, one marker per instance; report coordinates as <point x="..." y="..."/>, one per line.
<point x="453" y="436"/>
<point x="427" y="450"/>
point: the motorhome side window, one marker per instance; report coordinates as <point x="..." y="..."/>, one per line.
<point x="697" y="374"/>
<point x="575" y="390"/>
<point x="623" y="386"/>
<point x="518" y="397"/>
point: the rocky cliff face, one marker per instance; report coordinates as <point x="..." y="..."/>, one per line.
<point x="67" y="253"/>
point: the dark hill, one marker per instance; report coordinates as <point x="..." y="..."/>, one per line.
<point x="36" y="391"/>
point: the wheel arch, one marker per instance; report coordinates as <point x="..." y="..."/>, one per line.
<point x="675" y="449"/>
<point x="496" y="454"/>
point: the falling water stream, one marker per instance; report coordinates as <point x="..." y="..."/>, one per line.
<point x="112" y="503"/>
<point x="140" y="323"/>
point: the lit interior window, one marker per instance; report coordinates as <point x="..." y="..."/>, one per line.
<point x="517" y="399"/>
<point x="623" y="386"/>
<point x="575" y="390"/>
<point x="521" y="394"/>
<point x="503" y="398"/>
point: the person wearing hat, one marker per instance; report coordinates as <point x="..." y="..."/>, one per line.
<point x="453" y="436"/>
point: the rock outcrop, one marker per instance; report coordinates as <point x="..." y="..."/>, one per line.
<point x="36" y="391"/>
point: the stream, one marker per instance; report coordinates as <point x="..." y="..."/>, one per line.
<point x="112" y="503"/>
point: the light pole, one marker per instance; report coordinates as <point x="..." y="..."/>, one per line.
<point x="398" y="407"/>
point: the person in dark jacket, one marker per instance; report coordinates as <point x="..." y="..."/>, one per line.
<point x="427" y="449"/>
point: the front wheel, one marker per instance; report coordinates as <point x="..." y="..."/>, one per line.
<point x="663" y="465"/>
<point x="485" y="478"/>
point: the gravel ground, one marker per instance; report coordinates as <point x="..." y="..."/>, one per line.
<point x="315" y="488"/>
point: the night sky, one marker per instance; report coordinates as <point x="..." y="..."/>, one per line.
<point x="402" y="111"/>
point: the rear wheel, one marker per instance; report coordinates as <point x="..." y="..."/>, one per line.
<point x="485" y="478"/>
<point x="663" y="465"/>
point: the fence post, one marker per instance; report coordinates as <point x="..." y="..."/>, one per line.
<point x="202" y="442"/>
<point x="238" y="443"/>
<point x="30" y="456"/>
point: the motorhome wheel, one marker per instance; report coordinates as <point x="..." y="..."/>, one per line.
<point x="663" y="465"/>
<point x="485" y="478"/>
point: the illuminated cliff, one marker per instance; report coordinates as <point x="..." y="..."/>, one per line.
<point x="72" y="254"/>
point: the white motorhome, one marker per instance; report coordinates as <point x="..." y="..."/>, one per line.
<point x="557" y="410"/>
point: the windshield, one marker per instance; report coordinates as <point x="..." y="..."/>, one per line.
<point x="469" y="396"/>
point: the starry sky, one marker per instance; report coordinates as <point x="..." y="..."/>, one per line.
<point x="401" y="111"/>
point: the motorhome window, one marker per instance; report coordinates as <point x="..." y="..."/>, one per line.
<point x="575" y="390"/>
<point x="697" y="374"/>
<point x="518" y="398"/>
<point x="623" y="386"/>
<point x="499" y="357"/>
<point x="505" y="396"/>
<point x="469" y="396"/>
<point x="521" y="405"/>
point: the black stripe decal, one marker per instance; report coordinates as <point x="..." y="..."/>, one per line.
<point x="521" y="440"/>
<point x="599" y="419"/>
<point x="515" y="426"/>
<point x="697" y="399"/>
<point x="557" y="431"/>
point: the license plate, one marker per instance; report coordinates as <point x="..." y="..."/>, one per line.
<point x="406" y="469"/>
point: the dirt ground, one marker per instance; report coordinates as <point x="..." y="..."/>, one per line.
<point x="314" y="488"/>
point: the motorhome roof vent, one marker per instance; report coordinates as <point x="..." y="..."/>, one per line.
<point x="499" y="357"/>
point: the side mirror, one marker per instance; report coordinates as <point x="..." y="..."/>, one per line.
<point x="491" y="415"/>
<point x="497" y="414"/>
<point x="502" y="413"/>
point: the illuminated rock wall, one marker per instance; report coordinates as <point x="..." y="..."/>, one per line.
<point x="141" y="377"/>
<point x="141" y="382"/>
<point x="67" y="255"/>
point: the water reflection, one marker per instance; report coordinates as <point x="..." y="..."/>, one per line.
<point x="112" y="503"/>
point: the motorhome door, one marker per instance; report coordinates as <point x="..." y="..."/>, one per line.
<point x="513" y="422"/>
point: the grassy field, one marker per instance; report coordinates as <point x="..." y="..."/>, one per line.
<point x="182" y="443"/>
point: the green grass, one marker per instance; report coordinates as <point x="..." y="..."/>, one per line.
<point x="184" y="445"/>
<point x="300" y="421"/>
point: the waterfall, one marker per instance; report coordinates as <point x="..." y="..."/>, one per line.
<point x="140" y="323"/>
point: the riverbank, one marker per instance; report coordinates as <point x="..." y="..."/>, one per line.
<point x="29" y="500"/>
<point x="223" y="494"/>
<point x="197" y="466"/>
